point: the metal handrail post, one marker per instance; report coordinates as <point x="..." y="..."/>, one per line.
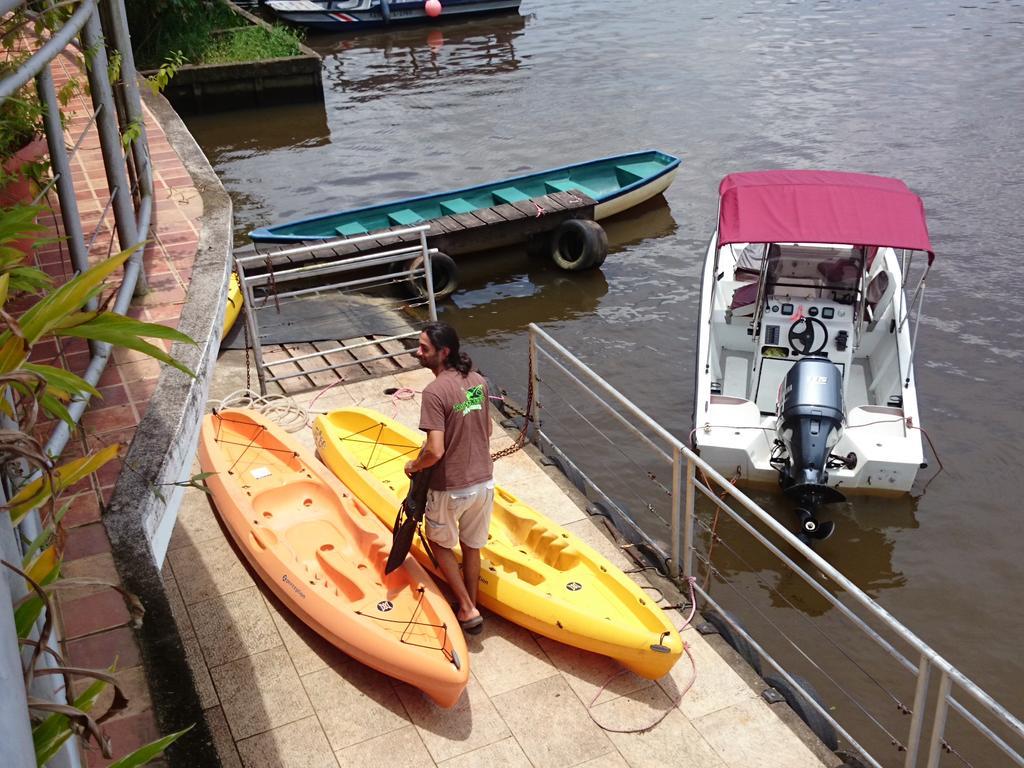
<point x="249" y="310"/>
<point x="110" y="136"/>
<point x="62" y="175"/>
<point x="924" y="671"/>
<point x="677" y="481"/>
<point x="939" y="723"/>
<point x="533" y="407"/>
<point x="429" y="275"/>
<point x="133" y="108"/>
<point x="688" y="518"/>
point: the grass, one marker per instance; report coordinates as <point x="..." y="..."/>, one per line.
<point x="214" y="34"/>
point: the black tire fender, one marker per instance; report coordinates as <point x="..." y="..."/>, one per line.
<point x="735" y="640"/>
<point x="797" y="700"/>
<point x="444" y="272"/>
<point x="579" y="244"/>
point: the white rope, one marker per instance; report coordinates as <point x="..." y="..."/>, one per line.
<point x="281" y="409"/>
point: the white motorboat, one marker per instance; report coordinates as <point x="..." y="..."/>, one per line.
<point x="805" y="359"/>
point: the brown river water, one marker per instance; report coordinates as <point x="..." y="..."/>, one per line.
<point x="923" y="91"/>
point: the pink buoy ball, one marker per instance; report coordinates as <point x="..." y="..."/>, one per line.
<point x="432" y="8"/>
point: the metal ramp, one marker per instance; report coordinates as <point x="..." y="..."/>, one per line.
<point x="367" y="282"/>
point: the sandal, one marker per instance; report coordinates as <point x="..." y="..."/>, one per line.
<point x="472" y="626"/>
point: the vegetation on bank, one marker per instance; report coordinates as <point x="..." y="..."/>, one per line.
<point x="202" y="32"/>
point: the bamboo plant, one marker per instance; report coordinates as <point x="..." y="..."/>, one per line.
<point x="33" y="310"/>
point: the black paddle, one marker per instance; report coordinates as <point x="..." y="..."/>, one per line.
<point x="407" y="521"/>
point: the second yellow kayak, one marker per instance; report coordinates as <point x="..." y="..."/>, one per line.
<point x="534" y="572"/>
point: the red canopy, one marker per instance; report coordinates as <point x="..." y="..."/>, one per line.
<point x="821" y="207"/>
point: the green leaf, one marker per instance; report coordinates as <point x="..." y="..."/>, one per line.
<point x="127" y="332"/>
<point x="143" y="755"/>
<point x="50" y="735"/>
<point x="64" y="382"/>
<point x="64" y="476"/>
<point x="44" y="536"/>
<point x="26" y="614"/>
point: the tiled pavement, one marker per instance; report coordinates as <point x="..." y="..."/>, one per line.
<point x="277" y="694"/>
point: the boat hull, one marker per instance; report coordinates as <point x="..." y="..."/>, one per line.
<point x="323" y="555"/>
<point x="534" y="572"/>
<point x="615" y="183"/>
<point x="352" y="17"/>
<point x="234" y="304"/>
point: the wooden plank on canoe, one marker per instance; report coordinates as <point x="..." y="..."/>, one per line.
<point x="549" y="203"/>
<point x="469" y="220"/>
<point x="489" y="216"/>
<point x="508" y="212"/>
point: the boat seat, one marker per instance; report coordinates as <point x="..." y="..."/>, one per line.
<point x="509" y="195"/>
<point x="630" y="174"/>
<point x="351" y="229"/>
<point x="404" y="217"/>
<point x="568" y="185"/>
<point x="456" y="205"/>
<point x="742" y="298"/>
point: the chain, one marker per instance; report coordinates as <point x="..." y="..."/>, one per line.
<point x="248" y="364"/>
<point x="272" y="283"/>
<point x="527" y="415"/>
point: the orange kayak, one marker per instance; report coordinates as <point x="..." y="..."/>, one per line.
<point x="323" y="554"/>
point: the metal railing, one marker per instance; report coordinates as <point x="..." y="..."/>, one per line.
<point x="413" y="262"/>
<point x="115" y="107"/>
<point x="552" y="362"/>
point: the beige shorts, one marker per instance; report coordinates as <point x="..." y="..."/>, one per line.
<point x="463" y="514"/>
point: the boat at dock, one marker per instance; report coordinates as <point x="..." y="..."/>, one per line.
<point x="804" y="373"/>
<point x="615" y="183"/>
<point x="352" y="15"/>
<point x="534" y="572"/>
<point x="323" y="555"/>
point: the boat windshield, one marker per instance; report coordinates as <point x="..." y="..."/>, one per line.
<point x="814" y="271"/>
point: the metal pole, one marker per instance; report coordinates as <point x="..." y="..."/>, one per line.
<point x="677" y="481"/>
<point x="62" y="174"/>
<point x="251" y="326"/>
<point x="133" y="107"/>
<point x="688" y="518"/>
<point x="913" y="340"/>
<point x="110" y="136"/>
<point x="939" y="723"/>
<point x="533" y="407"/>
<point x="924" y="671"/>
<point x="15" y="727"/>
<point x="429" y="274"/>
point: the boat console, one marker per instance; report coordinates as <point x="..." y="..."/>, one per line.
<point x="792" y="328"/>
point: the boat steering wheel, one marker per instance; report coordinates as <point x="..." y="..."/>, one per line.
<point x="805" y="332"/>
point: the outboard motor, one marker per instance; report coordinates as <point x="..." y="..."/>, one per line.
<point x="810" y="422"/>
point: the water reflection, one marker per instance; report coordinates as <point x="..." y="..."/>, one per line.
<point x="370" y="66"/>
<point x="295" y="126"/>
<point x="504" y="291"/>
<point x="651" y="219"/>
<point x="862" y="549"/>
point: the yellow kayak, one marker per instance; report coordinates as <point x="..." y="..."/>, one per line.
<point x="234" y="305"/>
<point x="533" y="572"/>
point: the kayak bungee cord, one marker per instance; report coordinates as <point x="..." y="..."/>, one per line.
<point x="410" y="622"/>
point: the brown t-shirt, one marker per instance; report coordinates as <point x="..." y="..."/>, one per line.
<point x="458" y="406"/>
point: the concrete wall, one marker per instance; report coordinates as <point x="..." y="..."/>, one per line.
<point x="143" y="507"/>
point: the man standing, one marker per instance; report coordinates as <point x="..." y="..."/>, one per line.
<point x="455" y="414"/>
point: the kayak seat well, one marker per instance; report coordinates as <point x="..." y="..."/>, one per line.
<point x="456" y="205"/>
<point x="404" y="217"/>
<point x="338" y="568"/>
<point x="508" y="195"/>
<point x="514" y="566"/>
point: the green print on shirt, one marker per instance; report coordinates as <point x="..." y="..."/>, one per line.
<point x="474" y="400"/>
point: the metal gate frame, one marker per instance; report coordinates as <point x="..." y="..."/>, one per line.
<point x="275" y="278"/>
